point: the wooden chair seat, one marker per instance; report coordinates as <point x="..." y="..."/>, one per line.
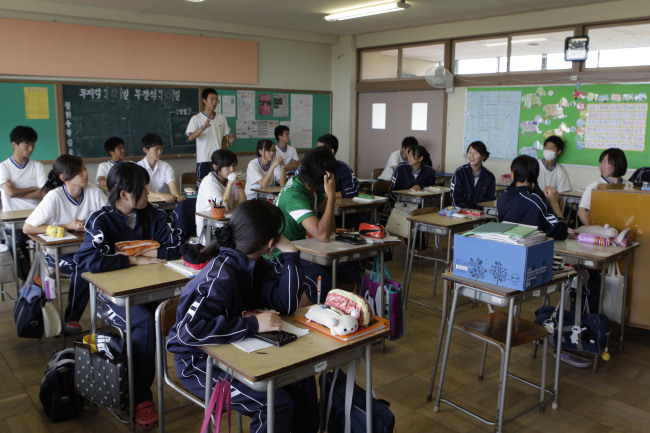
<point x="495" y="325"/>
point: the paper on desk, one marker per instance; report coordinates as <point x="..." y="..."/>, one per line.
<point x="55" y="239"/>
<point x="252" y="344"/>
<point x="369" y="200"/>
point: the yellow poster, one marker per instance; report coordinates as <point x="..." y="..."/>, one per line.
<point x="36" y="103"/>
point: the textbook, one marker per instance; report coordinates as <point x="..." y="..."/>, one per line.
<point x="376" y="324"/>
<point x="509" y="233"/>
<point x="181" y="267"/>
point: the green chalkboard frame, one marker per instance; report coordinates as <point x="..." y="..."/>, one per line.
<point x="574" y="152"/>
<point x="12" y="114"/>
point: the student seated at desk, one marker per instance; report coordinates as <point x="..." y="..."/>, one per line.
<point x="473" y="183"/>
<point x="162" y="184"/>
<point x="523" y="202"/>
<point x="288" y="153"/>
<point x="347" y="185"/>
<point x="69" y="201"/>
<point x="261" y="171"/>
<point x="210" y="312"/>
<point x="114" y="146"/>
<point x="415" y="174"/>
<point x="219" y="185"/>
<point x="129" y="217"/>
<point x="612" y="166"/>
<point x="550" y="172"/>
<point x="400" y="155"/>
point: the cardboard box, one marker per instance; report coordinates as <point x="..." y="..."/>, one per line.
<point x="513" y="266"/>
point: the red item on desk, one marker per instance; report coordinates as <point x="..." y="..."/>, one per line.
<point x="473" y="212"/>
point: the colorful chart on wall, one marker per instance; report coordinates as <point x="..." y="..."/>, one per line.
<point x="516" y="120"/>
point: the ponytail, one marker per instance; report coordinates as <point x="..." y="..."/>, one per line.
<point x="67" y="165"/>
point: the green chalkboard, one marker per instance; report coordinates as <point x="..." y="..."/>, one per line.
<point x="590" y="117"/>
<point x="92" y="113"/>
<point x="29" y="104"/>
<point x="266" y="109"/>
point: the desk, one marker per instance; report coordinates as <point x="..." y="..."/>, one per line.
<point x="571" y="198"/>
<point x="597" y="257"/>
<point x="365" y="185"/>
<point x="12" y="219"/>
<point x="346" y="206"/>
<point x="440" y="226"/>
<point x="444" y="179"/>
<point x="268" y="193"/>
<point x="499" y="189"/>
<point x="499" y="297"/>
<point x="280" y="366"/>
<point x="133" y="286"/>
<point x="210" y="221"/>
<point x="421" y="197"/>
<point x="490" y="207"/>
<point x="167" y="207"/>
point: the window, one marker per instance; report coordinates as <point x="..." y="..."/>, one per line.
<point x="485" y="56"/>
<point x="538" y="52"/>
<point x="379" y="116"/>
<point x="619" y="46"/>
<point x="416" y="60"/>
<point x="419" y="116"/>
<point x="379" y="64"/>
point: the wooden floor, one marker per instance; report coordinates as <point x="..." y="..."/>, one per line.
<point x="615" y="399"/>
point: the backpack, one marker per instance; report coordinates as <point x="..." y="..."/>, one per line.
<point x="58" y="396"/>
<point x="28" y="315"/>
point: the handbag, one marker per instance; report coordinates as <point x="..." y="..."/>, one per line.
<point x="58" y="396"/>
<point x="51" y="319"/>
<point x="397" y="224"/>
<point x="28" y="314"/>
<point x="101" y="370"/>
<point x="219" y="401"/>
<point x="613" y="296"/>
<point x="392" y="293"/>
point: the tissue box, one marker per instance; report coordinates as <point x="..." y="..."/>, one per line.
<point x="513" y="266"/>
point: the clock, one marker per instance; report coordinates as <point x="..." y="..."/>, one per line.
<point x="576" y="48"/>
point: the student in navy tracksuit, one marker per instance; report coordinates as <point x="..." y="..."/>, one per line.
<point x="415" y="174"/>
<point x="472" y="183"/>
<point x="524" y="203"/>
<point x="130" y="217"/>
<point x="211" y="306"/>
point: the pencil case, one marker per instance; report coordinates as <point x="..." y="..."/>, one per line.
<point x="589" y="238"/>
<point x="348" y="302"/>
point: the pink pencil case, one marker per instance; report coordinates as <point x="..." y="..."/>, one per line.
<point x="589" y="238"/>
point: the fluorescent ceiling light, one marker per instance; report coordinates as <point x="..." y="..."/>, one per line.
<point x="195" y="1"/>
<point x="366" y="11"/>
<point x="517" y="41"/>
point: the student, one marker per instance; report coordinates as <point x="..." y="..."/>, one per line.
<point x="261" y="170"/>
<point x="612" y="166"/>
<point x="285" y="150"/>
<point x="69" y="201"/>
<point x="210" y="312"/>
<point x="220" y="185"/>
<point x="415" y="174"/>
<point x="524" y="203"/>
<point x="129" y="217"/>
<point x="22" y="181"/>
<point x="550" y="172"/>
<point x="208" y="128"/>
<point x="114" y="146"/>
<point x="162" y="184"/>
<point x="473" y="183"/>
<point x="396" y="157"/>
<point x="347" y="184"/>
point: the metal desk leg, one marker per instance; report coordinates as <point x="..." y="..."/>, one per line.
<point x="627" y="266"/>
<point x="443" y="323"/>
<point x="93" y="309"/>
<point x="129" y="355"/>
<point x="381" y="296"/>
<point x="208" y="388"/>
<point x="436" y="407"/>
<point x="407" y="268"/>
<point x="323" y="397"/>
<point x="334" y="262"/>
<point x="59" y="291"/>
<point x="368" y="389"/>
<point x="343" y="220"/>
<point x="270" y="407"/>
<point x="505" y="366"/>
<point x="558" y="349"/>
<point x="15" y="253"/>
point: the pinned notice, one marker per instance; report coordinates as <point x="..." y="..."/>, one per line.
<point x="37" y="104"/>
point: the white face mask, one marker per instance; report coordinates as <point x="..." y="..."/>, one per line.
<point x="549" y="155"/>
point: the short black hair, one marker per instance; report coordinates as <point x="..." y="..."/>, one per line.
<point x="616" y="156"/>
<point x="279" y="130"/>
<point x="207" y="92"/>
<point x="223" y="158"/>
<point x="330" y="140"/>
<point x="23" y="133"/>
<point x="557" y="141"/>
<point x="151" y="140"/>
<point x="314" y="165"/>
<point x="112" y="143"/>
<point x="409" y="142"/>
<point x="254" y="223"/>
<point x="126" y="176"/>
<point x="524" y="169"/>
<point x="480" y="147"/>
<point x="264" y="145"/>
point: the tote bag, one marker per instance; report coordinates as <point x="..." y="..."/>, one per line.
<point x="613" y="296"/>
<point x="392" y="294"/>
<point x="397" y="224"/>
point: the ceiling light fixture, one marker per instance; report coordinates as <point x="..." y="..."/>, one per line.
<point x="375" y="9"/>
<point x="195" y="1"/>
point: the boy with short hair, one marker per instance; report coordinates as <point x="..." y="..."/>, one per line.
<point x="550" y="172"/>
<point x="114" y="146"/>
<point x="347" y="184"/>
<point x="209" y="129"/>
<point x="398" y="157"/>
<point x="288" y="153"/>
<point x="162" y="185"/>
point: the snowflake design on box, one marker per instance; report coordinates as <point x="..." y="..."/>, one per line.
<point x="476" y="269"/>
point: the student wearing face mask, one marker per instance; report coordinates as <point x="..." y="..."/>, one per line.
<point x="550" y="172"/>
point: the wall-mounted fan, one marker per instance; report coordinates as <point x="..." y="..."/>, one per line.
<point x="440" y="78"/>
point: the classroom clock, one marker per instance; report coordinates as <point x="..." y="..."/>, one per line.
<point x="576" y="48"/>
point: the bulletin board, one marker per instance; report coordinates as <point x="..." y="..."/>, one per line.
<point x="253" y="115"/>
<point x="29" y="104"/>
<point x="591" y="118"/>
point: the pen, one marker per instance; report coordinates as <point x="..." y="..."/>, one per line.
<point x="318" y="290"/>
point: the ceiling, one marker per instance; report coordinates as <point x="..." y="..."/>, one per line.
<point x="300" y="15"/>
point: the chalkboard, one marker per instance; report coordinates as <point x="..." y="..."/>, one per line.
<point x="253" y="115"/>
<point x="29" y="104"/>
<point x="92" y="113"/>
<point x="590" y="117"/>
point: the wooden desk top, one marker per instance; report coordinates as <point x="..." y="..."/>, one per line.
<point x="210" y="217"/>
<point x="269" y="190"/>
<point x="492" y="204"/>
<point x="573" y="248"/>
<point x="574" y="194"/>
<point x="135" y="279"/>
<point x="423" y="193"/>
<point x="435" y="219"/>
<point x="272" y="361"/>
<point x="337" y="248"/>
<point x="79" y="238"/>
<point x="15" y="215"/>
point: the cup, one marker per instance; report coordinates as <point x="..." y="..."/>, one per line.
<point x="218" y="212"/>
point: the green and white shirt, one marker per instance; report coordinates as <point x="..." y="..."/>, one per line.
<point x="297" y="204"/>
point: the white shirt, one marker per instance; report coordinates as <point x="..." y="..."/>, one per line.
<point x="210" y="139"/>
<point x="288" y="155"/>
<point x="31" y="173"/>
<point x="393" y="161"/>
<point x="585" y="201"/>
<point x="254" y="173"/>
<point x="557" y="177"/>
<point x="103" y="169"/>
<point x="209" y="189"/>
<point x="58" y="207"/>
<point x="159" y="177"/>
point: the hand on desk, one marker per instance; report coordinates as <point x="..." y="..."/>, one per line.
<point x="75" y="225"/>
<point x="144" y="260"/>
<point x="416" y="188"/>
<point x="269" y="321"/>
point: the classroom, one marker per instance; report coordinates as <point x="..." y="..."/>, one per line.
<point x="347" y="67"/>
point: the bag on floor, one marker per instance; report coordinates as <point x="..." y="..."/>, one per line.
<point x="100" y="370"/>
<point x="383" y="419"/>
<point x="58" y="396"/>
<point x="613" y="296"/>
<point x="51" y="319"/>
<point x="592" y="336"/>
<point x="397" y="224"/>
<point x="392" y="294"/>
<point x="28" y="314"/>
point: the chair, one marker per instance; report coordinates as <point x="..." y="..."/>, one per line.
<point x="188" y="179"/>
<point x="165" y="320"/>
